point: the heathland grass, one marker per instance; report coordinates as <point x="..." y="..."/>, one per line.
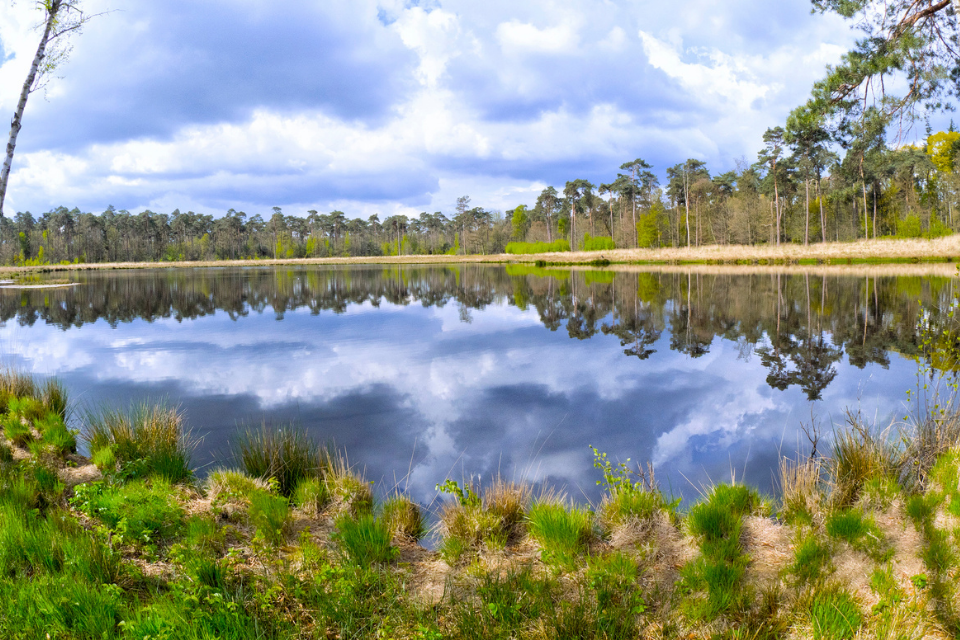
<point x="863" y="546"/>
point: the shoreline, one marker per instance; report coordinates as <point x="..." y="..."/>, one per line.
<point x="863" y="252"/>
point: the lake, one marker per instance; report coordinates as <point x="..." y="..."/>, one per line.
<point x="427" y="372"/>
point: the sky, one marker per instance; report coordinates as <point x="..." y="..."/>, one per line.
<point x="396" y="106"/>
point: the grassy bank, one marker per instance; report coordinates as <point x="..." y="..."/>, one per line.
<point x="861" y="252"/>
<point x="287" y="541"/>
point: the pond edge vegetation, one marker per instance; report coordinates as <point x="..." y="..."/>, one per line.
<point x="286" y="540"/>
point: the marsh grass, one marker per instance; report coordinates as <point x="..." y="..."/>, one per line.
<point x="811" y="559"/>
<point x="800" y="489"/>
<point x="717" y="522"/>
<point x="312" y="495"/>
<point x="835" y="615"/>
<point x="232" y="486"/>
<point x="403" y="518"/>
<point x="496" y="517"/>
<point x="564" y="532"/>
<point x="858" y="530"/>
<point x="288" y="455"/>
<point x="364" y="540"/>
<point x="349" y="492"/>
<point x="17" y="431"/>
<point x="861" y="453"/>
<point x="270" y="514"/>
<point x="146" y="439"/>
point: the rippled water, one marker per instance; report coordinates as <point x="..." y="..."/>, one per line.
<point x="421" y="373"/>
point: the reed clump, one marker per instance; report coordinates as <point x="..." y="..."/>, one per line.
<point x="144" y="440"/>
<point x="495" y="518"/>
<point x="287" y="455"/>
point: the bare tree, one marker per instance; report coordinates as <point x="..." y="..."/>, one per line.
<point x="61" y="18"/>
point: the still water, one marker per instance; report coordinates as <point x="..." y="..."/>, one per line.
<point x="423" y="373"/>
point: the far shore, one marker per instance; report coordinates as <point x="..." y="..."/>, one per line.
<point x="940" y="251"/>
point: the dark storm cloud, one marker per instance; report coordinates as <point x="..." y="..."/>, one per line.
<point x="179" y="63"/>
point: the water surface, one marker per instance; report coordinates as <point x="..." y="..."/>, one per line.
<point x="424" y="373"/>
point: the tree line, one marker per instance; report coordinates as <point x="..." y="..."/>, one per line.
<point x="799" y="326"/>
<point x="799" y="190"/>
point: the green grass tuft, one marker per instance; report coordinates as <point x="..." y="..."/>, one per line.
<point x="287" y="455"/>
<point x="270" y="514"/>
<point x="364" y="540"/>
<point x="312" y="495"/>
<point x="835" y="615"/>
<point x="140" y="511"/>
<point x="563" y="533"/>
<point x="403" y="518"/>
<point x="147" y="440"/>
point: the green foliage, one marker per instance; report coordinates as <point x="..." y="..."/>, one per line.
<point x="599" y="243"/>
<point x="148" y="439"/>
<point x="287" y="455"/>
<point x="835" y="615"/>
<point x="465" y="495"/>
<point x="139" y="512"/>
<point x="563" y="533"/>
<point x="270" y="514"/>
<point x="364" y="540"/>
<point x="520" y="248"/>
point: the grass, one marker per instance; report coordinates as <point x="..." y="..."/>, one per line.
<point x="270" y="514"/>
<point x="811" y="559"/>
<point x="403" y="518"/>
<point x="564" y="533"/>
<point x="717" y="523"/>
<point x="146" y="440"/>
<point x="139" y="512"/>
<point x="834" y="615"/>
<point x="364" y="540"/>
<point x="286" y="455"/>
<point x="856" y="529"/>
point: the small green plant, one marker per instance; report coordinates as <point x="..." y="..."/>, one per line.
<point x="835" y="615"/>
<point x="269" y="513"/>
<point x="563" y="533"/>
<point x="464" y="495"/>
<point x="230" y="486"/>
<point x="364" y="540"/>
<point x="6" y="453"/>
<point x="628" y="498"/>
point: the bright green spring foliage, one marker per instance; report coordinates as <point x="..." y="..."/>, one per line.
<point x="520" y="248"/>
<point x="598" y="243"/>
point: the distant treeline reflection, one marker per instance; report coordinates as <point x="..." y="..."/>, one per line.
<point x="799" y="326"/>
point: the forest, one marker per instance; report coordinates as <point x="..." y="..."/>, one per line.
<point x="799" y="190"/>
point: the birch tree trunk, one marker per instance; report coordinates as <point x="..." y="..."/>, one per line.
<point x="52" y="10"/>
